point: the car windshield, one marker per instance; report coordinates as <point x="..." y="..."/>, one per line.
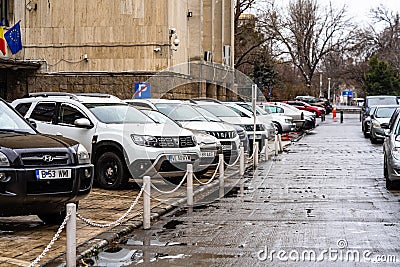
<point x="249" y="107"/>
<point x="159" y="117"/>
<point x="220" y="110"/>
<point x="384" y="100"/>
<point x="117" y="113"/>
<point x="180" y="112"/>
<point x="384" y="112"/>
<point x="208" y="115"/>
<point x="10" y="121"/>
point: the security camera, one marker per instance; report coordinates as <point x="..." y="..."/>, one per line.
<point x="157" y="49"/>
<point x="176" y="41"/>
<point x="172" y="31"/>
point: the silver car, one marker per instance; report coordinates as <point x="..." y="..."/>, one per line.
<point x="382" y="114"/>
<point x="391" y="150"/>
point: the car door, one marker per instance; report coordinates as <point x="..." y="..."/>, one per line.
<point x="65" y="126"/>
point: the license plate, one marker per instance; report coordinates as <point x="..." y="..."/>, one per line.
<point x="179" y="158"/>
<point x="226" y="147"/>
<point x="207" y="154"/>
<point x="53" y="174"/>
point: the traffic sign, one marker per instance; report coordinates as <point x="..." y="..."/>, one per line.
<point x="142" y="90"/>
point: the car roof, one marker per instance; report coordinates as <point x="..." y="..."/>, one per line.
<point x="79" y="97"/>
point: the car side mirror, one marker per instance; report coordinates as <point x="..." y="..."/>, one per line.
<point x="83" y="123"/>
<point x="33" y="123"/>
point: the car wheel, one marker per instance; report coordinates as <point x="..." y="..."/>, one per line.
<point x="174" y="180"/>
<point x="366" y="135"/>
<point x="110" y="171"/>
<point x="389" y="184"/>
<point x="278" y="127"/>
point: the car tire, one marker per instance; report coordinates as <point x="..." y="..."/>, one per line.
<point x="385" y="169"/>
<point x="390" y="185"/>
<point x="366" y="135"/>
<point x="278" y="128"/>
<point x="111" y="171"/>
<point x="53" y="218"/>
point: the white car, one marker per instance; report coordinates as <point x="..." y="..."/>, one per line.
<point x="283" y="124"/>
<point x="190" y="118"/>
<point x="228" y="115"/>
<point x="122" y="141"/>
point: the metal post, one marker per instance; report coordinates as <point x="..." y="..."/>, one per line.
<point x="329" y="89"/>
<point x="241" y="161"/>
<point x="276" y="145"/>
<point x="221" y="176"/>
<point x="341" y="116"/>
<point x="189" y="183"/>
<point x="146" y="202"/>
<point x="266" y="150"/>
<point x="71" y="235"/>
<point x="255" y="159"/>
<point x="280" y="143"/>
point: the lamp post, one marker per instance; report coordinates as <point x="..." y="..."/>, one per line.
<point x="320" y="84"/>
<point x="329" y="89"/>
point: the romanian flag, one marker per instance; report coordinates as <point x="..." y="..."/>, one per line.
<point x="3" y="47"/>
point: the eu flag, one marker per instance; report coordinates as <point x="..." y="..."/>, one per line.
<point x="13" y="38"/>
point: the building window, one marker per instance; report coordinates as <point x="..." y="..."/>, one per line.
<point x="4" y="6"/>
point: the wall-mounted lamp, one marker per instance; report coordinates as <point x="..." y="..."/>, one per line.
<point x="85" y="57"/>
<point x="190" y="14"/>
<point x="176" y="41"/>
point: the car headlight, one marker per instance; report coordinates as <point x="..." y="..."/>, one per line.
<point x="396" y="153"/>
<point x="376" y="124"/>
<point x="83" y="155"/>
<point x="288" y="120"/>
<point x="145" y="140"/>
<point x="4" y="162"/>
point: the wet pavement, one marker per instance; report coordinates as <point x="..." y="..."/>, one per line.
<point x="323" y="202"/>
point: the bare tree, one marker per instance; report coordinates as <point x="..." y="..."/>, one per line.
<point x="305" y="33"/>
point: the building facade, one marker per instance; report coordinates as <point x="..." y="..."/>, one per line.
<point x="106" y="46"/>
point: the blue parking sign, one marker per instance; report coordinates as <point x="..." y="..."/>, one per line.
<point x="142" y="90"/>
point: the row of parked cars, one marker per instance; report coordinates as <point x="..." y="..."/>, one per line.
<point x="380" y="122"/>
<point x="43" y="167"/>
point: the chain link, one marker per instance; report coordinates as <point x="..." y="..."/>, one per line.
<point x="234" y="163"/>
<point x="211" y="179"/>
<point x="119" y="220"/>
<point x="172" y="191"/>
<point x="53" y="240"/>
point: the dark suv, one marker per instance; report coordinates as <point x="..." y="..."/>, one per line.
<point x="39" y="174"/>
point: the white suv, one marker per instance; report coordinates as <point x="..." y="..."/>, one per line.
<point x="122" y="141"/>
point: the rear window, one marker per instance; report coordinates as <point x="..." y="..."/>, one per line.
<point x="384" y="100"/>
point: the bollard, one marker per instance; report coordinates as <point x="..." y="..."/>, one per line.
<point x="189" y="183"/>
<point x="146" y="202"/>
<point x="241" y="161"/>
<point x="276" y="145"/>
<point x="280" y="143"/>
<point x="334" y="112"/>
<point x="71" y="235"/>
<point x="221" y="176"/>
<point x="341" y="116"/>
<point x="360" y="116"/>
<point x="255" y="159"/>
<point x="266" y="151"/>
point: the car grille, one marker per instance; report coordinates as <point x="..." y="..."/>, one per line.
<point x="174" y="142"/>
<point x="250" y="127"/>
<point x="223" y="134"/>
<point x="30" y="159"/>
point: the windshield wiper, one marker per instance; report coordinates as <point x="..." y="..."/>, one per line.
<point x="14" y="131"/>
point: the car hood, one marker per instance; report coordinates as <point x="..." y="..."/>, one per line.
<point x="22" y="141"/>
<point x="238" y="120"/>
<point x="154" y="129"/>
<point x="206" y="126"/>
<point x="382" y="120"/>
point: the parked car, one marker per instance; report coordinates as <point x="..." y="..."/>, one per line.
<point x="303" y="119"/>
<point x="210" y="146"/>
<point x="366" y="122"/>
<point x="122" y="141"/>
<point x="39" y="173"/>
<point x="190" y="118"/>
<point x="318" y="111"/>
<point x="376" y="100"/>
<point x="226" y="114"/>
<point x="316" y="101"/>
<point x="391" y="151"/>
<point x="282" y="123"/>
<point x="382" y="114"/>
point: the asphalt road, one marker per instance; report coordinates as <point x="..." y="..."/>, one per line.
<point x="321" y="203"/>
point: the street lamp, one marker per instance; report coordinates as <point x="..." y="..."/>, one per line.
<point x="329" y="89"/>
<point x="320" y="84"/>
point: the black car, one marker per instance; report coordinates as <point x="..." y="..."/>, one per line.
<point x="39" y="173"/>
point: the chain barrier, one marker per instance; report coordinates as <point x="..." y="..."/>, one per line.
<point x="234" y="163"/>
<point x="119" y="220"/>
<point x="53" y="240"/>
<point x="252" y="156"/>
<point x="212" y="177"/>
<point x="173" y="190"/>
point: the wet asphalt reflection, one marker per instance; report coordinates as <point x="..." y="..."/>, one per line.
<point x="323" y="202"/>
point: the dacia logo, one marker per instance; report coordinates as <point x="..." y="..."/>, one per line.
<point x="48" y="158"/>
